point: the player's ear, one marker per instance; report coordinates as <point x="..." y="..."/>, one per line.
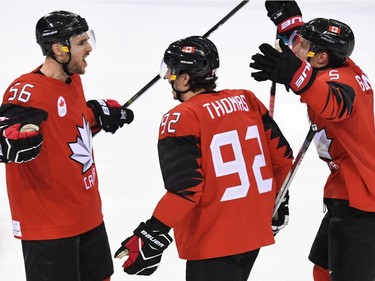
<point x="186" y="79"/>
<point x="57" y="49"/>
<point x="323" y="58"/>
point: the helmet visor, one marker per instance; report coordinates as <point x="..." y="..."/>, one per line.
<point x="92" y="38"/>
<point x="163" y="70"/>
<point x="87" y="37"/>
<point x="294" y="39"/>
<point x="304" y="45"/>
<point x="166" y="72"/>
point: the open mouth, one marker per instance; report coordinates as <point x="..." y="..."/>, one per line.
<point x="84" y="59"/>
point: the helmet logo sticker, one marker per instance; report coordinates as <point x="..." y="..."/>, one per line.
<point x="187" y="49"/>
<point x="49" y="33"/>
<point x="61" y="107"/>
<point x="334" y="29"/>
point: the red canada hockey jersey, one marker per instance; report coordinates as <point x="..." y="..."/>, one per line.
<point x="222" y="159"/>
<point x="56" y="194"/>
<point x="341" y="103"/>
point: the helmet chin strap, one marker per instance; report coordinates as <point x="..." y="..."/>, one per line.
<point x="317" y="68"/>
<point x="64" y="64"/>
<point x="179" y="93"/>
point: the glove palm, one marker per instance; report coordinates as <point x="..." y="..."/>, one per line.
<point x="274" y="65"/>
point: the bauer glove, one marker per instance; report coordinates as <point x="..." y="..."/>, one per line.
<point x="110" y="115"/>
<point x="20" y="144"/>
<point x="286" y="15"/>
<point x="281" y="218"/>
<point x="144" y="248"/>
<point x="282" y="66"/>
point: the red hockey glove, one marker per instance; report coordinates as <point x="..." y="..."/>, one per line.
<point x="20" y="146"/>
<point x="281" y="218"/>
<point x="110" y="115"/>
<point x="286" y="15"/>
<point x="282" y="67"/>
<point x="144" y="248"/>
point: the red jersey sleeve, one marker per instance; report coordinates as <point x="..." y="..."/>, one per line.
<point x="180" y="162"/>
<point x="222" y="159"/>
<point x="329" y="97"/>
<point x="341" y="103"/>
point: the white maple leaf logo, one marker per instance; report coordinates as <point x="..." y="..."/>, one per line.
<point x="82" y="148"/>
<point x="323" y="144"/>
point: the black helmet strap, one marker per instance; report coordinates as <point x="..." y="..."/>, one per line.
<point x="63" y="64"/>
<point x="179" y="93"/>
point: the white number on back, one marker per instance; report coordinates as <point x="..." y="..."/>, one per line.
<point x="238" y="165"/>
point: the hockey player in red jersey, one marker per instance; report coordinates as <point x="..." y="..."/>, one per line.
<point x="340" y="101"/>
<point x="46" y="133"/>
<point x="223" y="159"/>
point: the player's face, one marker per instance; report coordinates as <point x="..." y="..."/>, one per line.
<point x="166" y="73"/>
<point x="301" y="48"/>
<point x="80" y="47"/>
<point x="178" y="84"/>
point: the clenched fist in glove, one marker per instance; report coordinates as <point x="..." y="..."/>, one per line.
<point x="282" y="66"/>
<point x="281" y="218"/>
<point x="144" y="248"/>
<point x="110" y="115"/>
<point x="286" y="15"/>
<point x="18" y="145"/>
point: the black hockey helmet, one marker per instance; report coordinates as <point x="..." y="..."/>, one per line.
<point x="195" y="55"/>
<point x="329" y="35"/>
<point x="58" y="27"/>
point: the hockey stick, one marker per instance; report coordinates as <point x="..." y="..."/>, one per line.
<point x="271" y="107"/>
<point x="208" y="33"/>
<point x="293" y="170"/>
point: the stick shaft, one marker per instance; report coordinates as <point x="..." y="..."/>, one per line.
<point x="208" y="33"/>
<point x="293" y="170"/>
<point x="271" y="107"/>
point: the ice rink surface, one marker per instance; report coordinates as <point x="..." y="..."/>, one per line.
<point x="131" y="38"/>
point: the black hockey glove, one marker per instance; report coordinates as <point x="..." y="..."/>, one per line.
<point x="20" y="145"/>
<point x="281" y="218"/>
<point x="286" y="15"/>
<point x="110" y="115"/>
<point x="282" y="66"/>
<point x="144" y="248"/>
